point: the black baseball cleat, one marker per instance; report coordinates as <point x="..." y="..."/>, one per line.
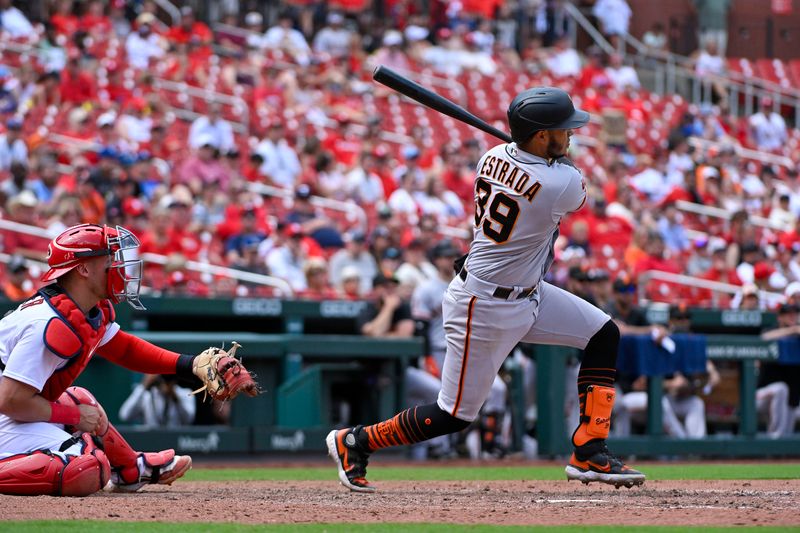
<point x="593" y="462"/>
<point x="350" y="459"/>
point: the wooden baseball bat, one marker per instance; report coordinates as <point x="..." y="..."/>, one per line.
<point x="428" y="98"/>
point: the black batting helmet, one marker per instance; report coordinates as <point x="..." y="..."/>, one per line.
<point x="543" y="108"/>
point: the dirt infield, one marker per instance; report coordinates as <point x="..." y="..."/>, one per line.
<point x="676" y="503"/>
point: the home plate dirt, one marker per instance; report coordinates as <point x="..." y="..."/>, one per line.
<point x="676" y="503"/>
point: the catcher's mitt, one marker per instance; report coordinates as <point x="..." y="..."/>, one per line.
<point x="223" y="376"/>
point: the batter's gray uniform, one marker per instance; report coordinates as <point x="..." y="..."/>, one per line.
<point x="499" y="298"/>
<point x="426" y="304"/>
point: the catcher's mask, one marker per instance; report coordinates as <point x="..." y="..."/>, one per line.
<point x="81" y="242"/>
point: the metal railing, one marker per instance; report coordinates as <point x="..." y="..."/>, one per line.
<point x="5" y="258"/>
<point x="281" y="285"/>
<point x="675" y="74"/>
<point x="771" y="298"/>
<point x="718" y="212"/>
<point x="73" y="142"/>
<point x="195" y="266"/>
<point x="747" y="153"/>
<point x="351" y="209"/>
<point x="578" y="16"/>
<point x="240" y="126"/>
<point x="16" y="227"/>
<point x="171" y="10"/>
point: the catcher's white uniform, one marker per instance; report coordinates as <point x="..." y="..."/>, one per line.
<point x="25" y="358"/>
<point x="499" y="298"/>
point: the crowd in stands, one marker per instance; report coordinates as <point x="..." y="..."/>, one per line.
<point x="263" y="145"/>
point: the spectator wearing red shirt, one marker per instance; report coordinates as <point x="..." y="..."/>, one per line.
<point x="656" y="258"/>
<point x="604" y="230"/>
<point x="94" y="21"/>
<point x="164" y="143"/>
<point x="155" y="240"/>
<point x="183" y="237"/>
<point x="593" y="74"/>
<point x="485" y="9"/>
<point x="791" y="239"/>
<point x="63" y="20"/>
<point x="77" y="86"/>
<point x="718" y="271"/>
<point x="191" y="31"/>
<point x="116" y="91"/>
<point x="169" y="232"/>
<point x="380" y="165"/>
<point x="456" y="175"/>
<point x="344" y="143"/>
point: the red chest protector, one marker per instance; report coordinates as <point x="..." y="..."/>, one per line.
<point x="71" y="336"/>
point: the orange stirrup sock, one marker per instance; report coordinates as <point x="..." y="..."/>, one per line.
<point x="595" y="415"/>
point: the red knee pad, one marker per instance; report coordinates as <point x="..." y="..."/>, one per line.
<point x="78" y="396"/>
<point x="41" y="473"/>
<point x="86" y="473"/>
<point x="36" y="474"/>
<point x="81" y="396"/>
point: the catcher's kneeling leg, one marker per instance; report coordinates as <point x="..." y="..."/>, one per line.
<point x="131" y="470"/>
<point x="44" y="473"/>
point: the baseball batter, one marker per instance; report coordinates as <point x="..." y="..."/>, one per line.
<point x="498" y="298"/>
<point x="56" y="439"/>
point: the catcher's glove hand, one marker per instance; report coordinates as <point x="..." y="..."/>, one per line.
<point x="223" y="376"/>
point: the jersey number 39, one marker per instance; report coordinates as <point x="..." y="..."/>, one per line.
<point x="502" y="214"/>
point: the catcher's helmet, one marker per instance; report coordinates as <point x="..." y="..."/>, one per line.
<point x="84" y="241"/>
<point x="543" y="108"/>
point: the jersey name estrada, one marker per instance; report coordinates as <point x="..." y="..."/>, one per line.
<point x="519" y="202"/>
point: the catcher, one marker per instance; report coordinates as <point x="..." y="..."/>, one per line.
<point x="56" y="439"/>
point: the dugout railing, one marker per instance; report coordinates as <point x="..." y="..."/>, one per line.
<point x="316" y="372"/>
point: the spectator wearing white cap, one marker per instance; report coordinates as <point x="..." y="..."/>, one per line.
<point x="792" y="293"/>
<point x="391" y="53"/>
<point x="351" y="284"/>
<point x="334" y="38"/>
<point x="749" y="298"/>
<point x="254" y="24"/>
<point x="213" y="127"/>
<point x="285" y="37"/>
<point x="23" y="209"/>
<point x="417" y="28"/>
